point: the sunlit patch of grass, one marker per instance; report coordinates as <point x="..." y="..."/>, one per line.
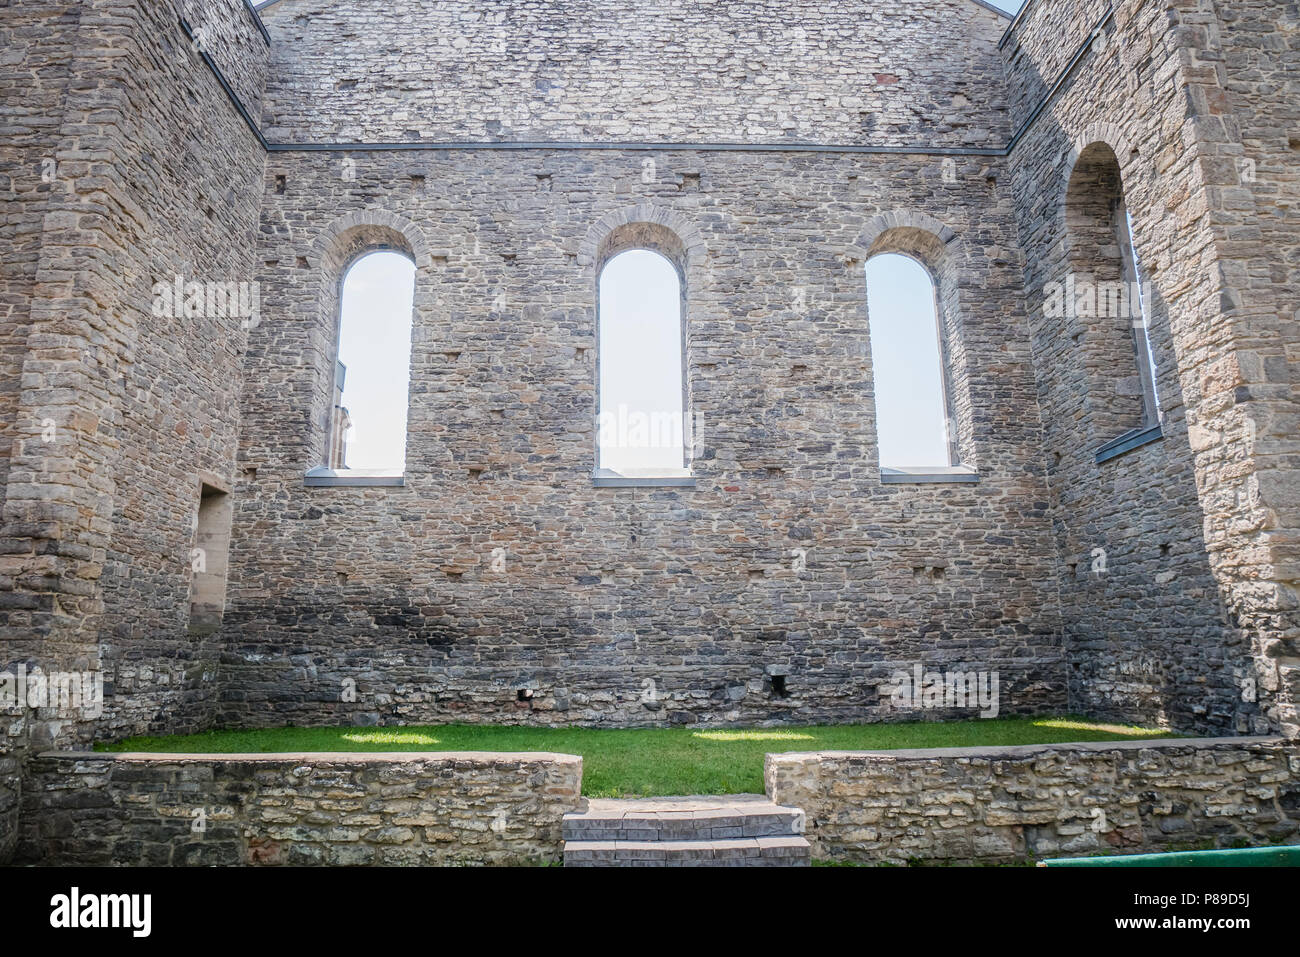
<point x="1080" y="724"/>
<point x="389" y="737"/>
<point x="764" y="735"/>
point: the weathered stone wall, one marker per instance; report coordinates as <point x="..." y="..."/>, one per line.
<point x="197" y="204"/>
<point x="233" y="35"/>
<point x="626" y="605"/>
<point x="1177" y="590"/>
<point x="30" y="34"/>
<point x="150" y="172"/>
<point x="1001" y="805"/>
<point x="1040" y="45"/>
<point x="651" y="70"/>
<point x="415" y="809"/>
<point x="1245" y="67"/>
<point x="1151" y="635"/>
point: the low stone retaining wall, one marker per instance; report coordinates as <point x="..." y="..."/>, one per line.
<point x="324" y="808"/>
<point x="1055" y="800"/>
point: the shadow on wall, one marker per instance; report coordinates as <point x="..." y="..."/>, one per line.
<point x="1148" y="635"/>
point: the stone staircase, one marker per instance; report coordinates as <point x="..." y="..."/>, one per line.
<point x="734" y="830"/>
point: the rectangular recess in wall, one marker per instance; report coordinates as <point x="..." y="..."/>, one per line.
<point x="209" y="560"/>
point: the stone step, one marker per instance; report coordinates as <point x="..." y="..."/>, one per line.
<point x="737" y="852"/>
<point x="728" y="817"/>
<point x="734" y="830"/>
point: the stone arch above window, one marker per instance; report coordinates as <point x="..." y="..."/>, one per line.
<point x="611" y="233"/>
<point x="904" y="222"/>
<point x="1110" y="135"/>
<point x="338" y="248"/>
<point x="378" y="229"/>
<point x="939" y="250"/>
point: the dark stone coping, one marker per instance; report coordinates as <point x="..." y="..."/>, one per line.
<point x="1032" y="750"/>
<point x="1135" y="438"/>
<point x="261" y="27"/>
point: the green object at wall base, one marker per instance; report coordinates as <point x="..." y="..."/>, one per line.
<point x="1284" y="856"/>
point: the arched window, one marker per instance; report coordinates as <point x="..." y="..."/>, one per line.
<point x="641" y="424"/>
<point x="913" y="422"/>
<point x="372" y="377"/>
<point x="1103" y="301"/>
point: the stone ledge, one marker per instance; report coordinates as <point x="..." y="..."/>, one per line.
<point x="1013" y="803"/>
<point x="1030" y="750"/>
<point x="352" y="478"/>
<point x="417" y="808"/>
<point x="486" y="758"/>
<point x="953" y="474"/>
<point x="623" y="481"/>
<point x="634" y="478"/>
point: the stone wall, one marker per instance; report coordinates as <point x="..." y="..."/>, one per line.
<point x="629" y="605"/>
<point x="1040" y="45"/>
<point x="233" y="35"/>
<point x="140" y="170"/>
<point x="756" y="71"/>
<point x="1009" y="804"/>
<point x="1158" y="586"/>
<point x="1159" y="627"/>
<point x="44" y="34"/>
<point x="1242" y="65"/>
<point x="33" y="33"/>
<point x="179" y="404"/>
<point x="390" y="588"/>
<point x="298" y="809"/>
<point x="1177" y="583"/>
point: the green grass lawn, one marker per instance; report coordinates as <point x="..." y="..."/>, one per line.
<point x="651" y="761"/>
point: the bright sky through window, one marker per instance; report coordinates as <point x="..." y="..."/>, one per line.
<point x="1145" y="352"/>
<point x="906" y="364"/>
<point x="640" y="355"/>
<point x="375" y="346"/>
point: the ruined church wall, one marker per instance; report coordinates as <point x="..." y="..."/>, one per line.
<point x="234" y="36"/>
<point x="1246" y="63"/>
<point x="1165" y="588"/>
<point x="640" y="606"/>
<point x="1040" y="45"/>
<point x="632" y="606"/>
<point x="41" y="42"/>
<point x="627" y="605"/>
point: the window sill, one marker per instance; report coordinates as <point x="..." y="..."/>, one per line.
<point x="925" y="475"/>
<point x="322" y="477"/>
<point x="1133" y="439"/>
<point x="634" y="478"/>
